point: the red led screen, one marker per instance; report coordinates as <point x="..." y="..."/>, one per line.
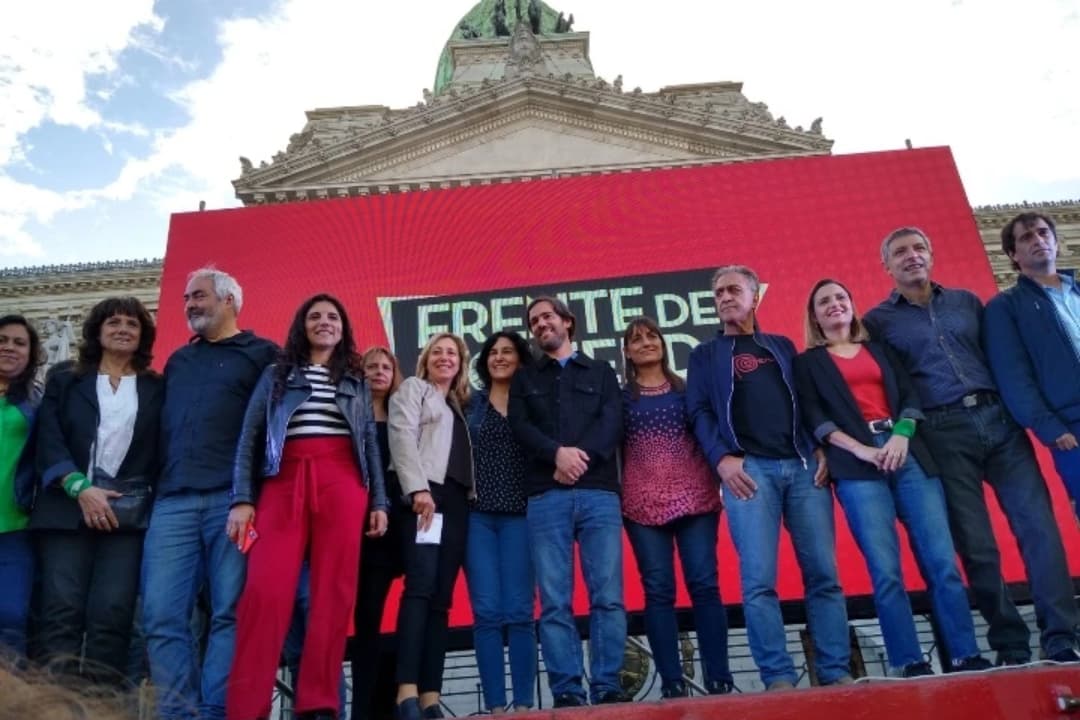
<point x="617" y="245"/>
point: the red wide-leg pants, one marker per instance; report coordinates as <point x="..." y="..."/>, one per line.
<point x="316" y="503"/>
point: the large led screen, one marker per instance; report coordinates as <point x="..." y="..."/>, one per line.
<point x="466" y="259"/>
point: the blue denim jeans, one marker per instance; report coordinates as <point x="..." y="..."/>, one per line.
<point x="592" y="518"/>
<point x="502" y="589"/>
<point x="785" y="491"/>
<point x="185" y="547"/>
<point x="1067" y="463"/>
<point x="654" y="547"/>
<point x="16" y="581"/>
<point x="984" y="443"/>
<point x="872" y="506"/>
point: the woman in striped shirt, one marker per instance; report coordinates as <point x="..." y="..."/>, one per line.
<point x="311" y="417"/>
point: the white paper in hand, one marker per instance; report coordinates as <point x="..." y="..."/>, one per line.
<point x="431" y="536"/>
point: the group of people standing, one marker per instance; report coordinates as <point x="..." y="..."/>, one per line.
<point x="257" y="478"/>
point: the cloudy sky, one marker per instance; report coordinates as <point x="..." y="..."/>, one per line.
<point x="115" y="114"/>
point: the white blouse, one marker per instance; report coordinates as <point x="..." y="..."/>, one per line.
<point x="116" y="426"/>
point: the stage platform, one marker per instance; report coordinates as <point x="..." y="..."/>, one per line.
<point x="1039" y="691"/>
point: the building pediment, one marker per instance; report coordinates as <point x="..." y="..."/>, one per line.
<point x="343" y="150"/>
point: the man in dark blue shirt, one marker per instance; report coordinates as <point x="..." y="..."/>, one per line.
<point x="566" y="411"/>
<point x="936" y="332"/>
<point x="207" y="386"/>
<point x="741" y="397"/>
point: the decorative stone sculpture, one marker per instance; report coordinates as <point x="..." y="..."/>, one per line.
<point x="58" y="338"/>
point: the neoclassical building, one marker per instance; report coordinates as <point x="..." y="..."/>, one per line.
<point x="515" y="98"/>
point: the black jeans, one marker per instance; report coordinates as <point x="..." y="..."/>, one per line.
<point x="973" y="444"/>
<point x="89" y="582"/>
<point x="380" y="564"/>
<point x="430" y="574"/>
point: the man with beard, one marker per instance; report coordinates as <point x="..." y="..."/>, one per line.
<point x="566" y="411"/>
<point x="1032" y="339"/>
<point x="936" y="333"/>
<point x="207" y="386"/>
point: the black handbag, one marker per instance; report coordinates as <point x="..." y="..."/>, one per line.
<point x="132" y="508"/>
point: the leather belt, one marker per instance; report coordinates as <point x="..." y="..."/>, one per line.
<point x="880" y="426"/>
<point x="969" y="401"/>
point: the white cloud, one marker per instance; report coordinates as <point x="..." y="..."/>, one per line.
<point x="45" y="61"/>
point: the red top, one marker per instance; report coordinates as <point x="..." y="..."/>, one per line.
<point x="863" y="378"/>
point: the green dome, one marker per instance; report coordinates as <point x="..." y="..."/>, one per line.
<point x="480" y="22"/>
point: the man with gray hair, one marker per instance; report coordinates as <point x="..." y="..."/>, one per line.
<point x="936" y="332"/>
<point x="742" y="401"/>
<point x="207" y="386"/>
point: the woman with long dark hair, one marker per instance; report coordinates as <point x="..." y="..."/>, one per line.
<point x="98" y="459"/>
<point x="671" y="499"/>
<point x="498" y="561"/>
<point x="20" y="357"/>
<point x="862" y="408"/>
<point x="310" y="422"/>
<point x="429" y="441"/>
<point x="372" y="683"/>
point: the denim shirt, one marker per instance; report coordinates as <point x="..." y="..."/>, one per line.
<point x="939" y="345"/>
<point x="207" y="388"/>
<point x="579" y="405"/>
<point x="25" y="486"/>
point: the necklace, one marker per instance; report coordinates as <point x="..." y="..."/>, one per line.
<point x="655" y="389"/>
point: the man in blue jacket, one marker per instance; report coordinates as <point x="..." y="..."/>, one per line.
<point x="207" y="386"/>
<point x="741" y="396"/>
<point x="1032" y="336"/>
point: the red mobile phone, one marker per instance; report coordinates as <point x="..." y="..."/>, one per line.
<point x="248" y="537"/>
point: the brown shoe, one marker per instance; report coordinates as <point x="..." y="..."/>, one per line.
<point x="779" y="685"/>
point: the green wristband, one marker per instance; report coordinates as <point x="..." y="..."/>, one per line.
<point x="74" y="484"/>
<point x="904" y="428"/>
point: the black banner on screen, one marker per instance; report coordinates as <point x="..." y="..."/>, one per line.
<point x="681" y="302"/>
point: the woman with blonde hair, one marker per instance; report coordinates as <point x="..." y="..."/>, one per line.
<point x="432" y="454"/>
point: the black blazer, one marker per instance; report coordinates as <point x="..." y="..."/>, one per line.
<point x="828" y="404"/>
<point x="67" y="427"/>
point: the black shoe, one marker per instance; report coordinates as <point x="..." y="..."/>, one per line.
<point x="719" y="687"/>
<point x="609" y="697"/>
<point x="1011" y="660"/>
<point x="569" y="700"/>
<point x="676" y="689"/>
<point x="318" y="715"/>
<point x="1068" y="655"/>
<point x="408" y="709"/>
<point x="919" y="669"/>
<point x="433" y="711"/>
<point x="975" y="663"/>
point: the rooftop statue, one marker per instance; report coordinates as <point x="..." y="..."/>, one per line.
<point x="489" y="19"/>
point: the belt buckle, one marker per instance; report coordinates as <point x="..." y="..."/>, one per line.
<point x="880" y="426"/>
<point x="970" y="401"/>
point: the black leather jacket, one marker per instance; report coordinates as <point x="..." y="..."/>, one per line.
<point x="265" y="423"/>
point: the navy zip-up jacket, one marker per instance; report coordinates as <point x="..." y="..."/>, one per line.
<point x="207" y="388"/>
<point x="1033" y="360"/>
<point x="710" y="385"/>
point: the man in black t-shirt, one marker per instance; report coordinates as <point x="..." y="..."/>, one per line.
<point x="741" y="397"/>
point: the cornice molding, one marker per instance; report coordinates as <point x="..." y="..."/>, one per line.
<point x="741" y="129"/>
